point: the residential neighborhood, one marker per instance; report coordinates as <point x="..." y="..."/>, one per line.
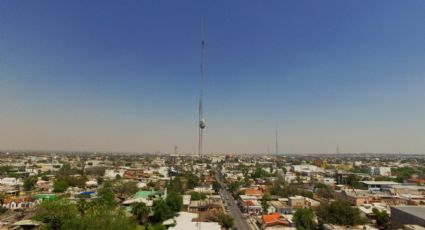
<point x="177" y="191"/>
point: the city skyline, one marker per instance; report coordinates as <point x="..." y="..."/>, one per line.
<point x="97" y="76"/>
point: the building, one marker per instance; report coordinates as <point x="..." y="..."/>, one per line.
<point x="12" y="181"/>
<point x="379" y="171"/>
<point x="249" y="204"/>
<point x="378" y="185"/>
<point x="407" y="215"/>
<point x="186" y="221"/>
<point x="355" y="196"/>
<point x="274" y="221"/>
<point x="279" y="206"/>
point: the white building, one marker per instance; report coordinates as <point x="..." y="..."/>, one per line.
<point x="112" y="173"/>
<point x="379" y="171"/>
<point x="10" y="181"/>
<point x="184" y="221"/>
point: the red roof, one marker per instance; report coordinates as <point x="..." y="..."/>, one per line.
<point x="249" y="203"/>
<point x="274" y="219"/>
<point x="253" y="192"/>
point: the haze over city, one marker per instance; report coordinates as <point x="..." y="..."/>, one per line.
<point x="102" y="76"/>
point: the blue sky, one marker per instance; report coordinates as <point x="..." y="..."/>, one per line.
<point x="124" y="75"/>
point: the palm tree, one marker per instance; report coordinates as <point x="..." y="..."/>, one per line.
<point x="141" y="212"/>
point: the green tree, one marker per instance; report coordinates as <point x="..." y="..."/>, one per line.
<point x="174" y="201"/>
<point x="103" y="218"/>
<point x="216" y="186"/>
<point x="340" y="213"/>
<point x="127" y="189"/>
<point x="197" y="196"/>
<point x="304" y="219"/>
<point x="354" y="181"/>
<point x="176" y="185"/>
<point x="192" y="181"/>
<point x="324" y="191"/>
<point x="60" y="185"/>
<point x="83" y="205"/>
<point x="30" y="182"/>
<point x="161" y="211"/>
<point x="403" y="173"/>
<point x="382" y="217"/>
<point x="55" y="214"/>
<point x="264" y="202"/>
<point x="141" y="212"/>
<point x="106" y="195"/>
<point x="226" y="221"/>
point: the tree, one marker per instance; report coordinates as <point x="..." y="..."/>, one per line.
<point x="340" y="213"/>
<point x="324" y="191"/>
<point x="264" y="202"/>
<point x="106" y="195"/>
<point x="83" y="205"/>
<point x="30" y="182"/>
<point x="174" y="201"/>
<point x="127" y="188"/>
<point x="216" y="186"/>
<point x="354" y="181"/>
<point x="192" y="181"/>
<point x="382" y="217"/>
<point x="304" y="218"/>
<point x="55" y="214"/>
<point x="141" y="212"/>
<point x="197" y="196"/>
<point x="61" y="214"/>
<point x="161" y="211"/>
<point x="259" y="172"/>
<point x="403" y="173"/>
<point x="176" y="185"/>
<point x="103" y="218"/>
<point x="226" y="221"/>
<point x="60" y="185"/>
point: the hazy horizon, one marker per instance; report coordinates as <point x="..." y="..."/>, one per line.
<point x="124" y="77"/>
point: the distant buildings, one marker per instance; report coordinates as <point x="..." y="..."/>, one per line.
<point x="379" y="171"/>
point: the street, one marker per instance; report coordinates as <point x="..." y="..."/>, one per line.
<point x="239" y="221"/>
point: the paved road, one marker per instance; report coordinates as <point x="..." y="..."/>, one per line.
<point x="235" y="212"/>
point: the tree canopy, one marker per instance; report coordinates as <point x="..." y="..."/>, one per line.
<point x="61" y="214"/>
<point x="340" y="213"/>
<point x="304" y="219"/>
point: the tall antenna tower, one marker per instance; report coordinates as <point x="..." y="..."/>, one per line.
<point x="277" y="144"/>
<point x="201" y="111"/>
<point x="277" y="151"/>
<point x="201" y="96"/>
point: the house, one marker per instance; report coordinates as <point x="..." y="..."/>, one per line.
<point x="12" y="181"/>
<point x="113" y="173"/>
<point x="15" y="203"/>
<point x="296" y="202"/>
<point x="274" y="221"/>
<point x="249" y="204"/>
<point x="185" y="221"/>
<point x="355" y="196"/>
<point x="279" y="206"/>
<point x="254" y="192"/>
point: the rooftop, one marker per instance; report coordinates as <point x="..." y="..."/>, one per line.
<point x="418" y="211"/>
<point x="380" y="183"/>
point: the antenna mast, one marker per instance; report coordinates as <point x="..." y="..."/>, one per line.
<point x="277" y="144"/>
<point x="201" y="112"/>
